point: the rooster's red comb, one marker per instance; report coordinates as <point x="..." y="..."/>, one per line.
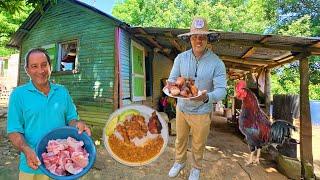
<point x="241" y="84"/>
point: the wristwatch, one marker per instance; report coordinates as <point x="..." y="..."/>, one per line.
<point x="206" y="100"/>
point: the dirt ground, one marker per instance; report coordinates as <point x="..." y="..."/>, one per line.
<point x="224" y="159"/>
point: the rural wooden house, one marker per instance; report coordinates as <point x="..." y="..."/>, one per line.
<point x="106" y="64"/>
<point x="102" y="64"/>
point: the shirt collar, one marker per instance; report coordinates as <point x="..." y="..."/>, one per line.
<point x="30" y="86"/>
<point x="206" y="53"/>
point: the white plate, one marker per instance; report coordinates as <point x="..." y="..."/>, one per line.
<point x="166" y="91"/>
<point x="145" y="111"/>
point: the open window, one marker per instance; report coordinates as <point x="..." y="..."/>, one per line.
<point x="138" y="90"/>
<point x="68" y="56"/>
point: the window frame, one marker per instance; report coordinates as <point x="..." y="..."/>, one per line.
<point x="60" y="56"/>
<point x="133" y="74"/>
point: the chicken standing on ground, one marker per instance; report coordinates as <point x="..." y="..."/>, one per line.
<point x="255" y="125"/>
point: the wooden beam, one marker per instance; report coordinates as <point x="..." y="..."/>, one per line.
<point x="265" y="38"/>
<point x="270" y="46"/>
<point x="317" y="44"/>
<point x="174" y="42"/>
<point x="248" y="53"/>
<point x="305" y="120"/>
<point x="247" y="61"/>
<point x="252" y="49"/>
<point x="150" y="39"/>
<point x="238" y="66"/>
<point x="294" y="58"/>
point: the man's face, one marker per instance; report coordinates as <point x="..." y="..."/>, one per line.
<point x="199" y="43"/>
<point x="38" y="68"/>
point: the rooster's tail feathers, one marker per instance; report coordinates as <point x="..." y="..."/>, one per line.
<point x="280" y="130"/>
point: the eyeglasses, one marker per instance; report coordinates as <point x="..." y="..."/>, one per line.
<point x="199" y="37"/>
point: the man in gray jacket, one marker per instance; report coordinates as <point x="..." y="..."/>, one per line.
<point x="209" y="73"/>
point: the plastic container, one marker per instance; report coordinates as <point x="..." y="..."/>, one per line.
<point x="64" y="133"/>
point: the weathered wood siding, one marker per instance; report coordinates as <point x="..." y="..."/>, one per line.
<point x="92" y="87"/>
<point x="161" y="69"/>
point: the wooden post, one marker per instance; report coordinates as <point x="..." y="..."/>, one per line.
<point x="116" y="84"/>
<point x="267" y="91"/>
<point x="305" y="120"/>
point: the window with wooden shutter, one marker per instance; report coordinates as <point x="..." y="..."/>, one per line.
<point x="138" y="85"/>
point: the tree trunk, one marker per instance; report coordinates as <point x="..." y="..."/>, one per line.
<point x="305" y="119"/>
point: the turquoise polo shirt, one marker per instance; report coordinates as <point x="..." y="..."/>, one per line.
<point x="33" y="114"/>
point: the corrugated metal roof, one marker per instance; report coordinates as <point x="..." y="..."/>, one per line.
<point x="242" y="51"/>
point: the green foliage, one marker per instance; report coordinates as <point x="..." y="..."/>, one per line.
<point x="10" y="22"/>
<point x="286" y="80"/>
<point x="300" y="27"/>
<point x="12" y="15"/>
<point x="13" y="6"/>
<point x="292" y="10"/>
<point x="231" y="16"/>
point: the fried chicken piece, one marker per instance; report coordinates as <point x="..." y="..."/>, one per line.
<point x="174" y="90"/>
<point x="122" y="130"/>
<point x="180" y="81"/>
<point x="185" y="92"/>
<point x="154" y="124"/>
<point x="136" y="127"/>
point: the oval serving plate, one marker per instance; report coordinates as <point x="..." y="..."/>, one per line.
<point x="113" y="121"/>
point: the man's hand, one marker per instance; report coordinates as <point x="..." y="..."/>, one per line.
<point x="32" y="159"/>
<point x="202" y="97"/>
<point x="81" y="126"/>
<point x="18" y="141"/>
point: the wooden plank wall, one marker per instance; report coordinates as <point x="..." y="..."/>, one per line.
<point x="161" y="69"/>
<point x="92" y="87"/>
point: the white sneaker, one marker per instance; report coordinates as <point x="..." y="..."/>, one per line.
<point x="194" y="174"/>
<point x="176" y="168"/>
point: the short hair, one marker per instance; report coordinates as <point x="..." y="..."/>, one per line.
<point x="211" y="38"/>
<point x="41" y="50"/>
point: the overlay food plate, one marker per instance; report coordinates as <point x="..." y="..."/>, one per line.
<point x="137" y="151"/>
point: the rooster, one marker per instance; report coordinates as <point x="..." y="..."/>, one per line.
<point x="255" y="125"/>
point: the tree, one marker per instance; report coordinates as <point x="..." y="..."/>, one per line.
<point x="17" y="5"/>
<point x="231" y="16"/>
<point x="10" y="22"/>
<point x="12" y="15"/>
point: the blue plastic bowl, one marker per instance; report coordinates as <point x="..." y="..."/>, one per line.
<point x="64" y="133"/>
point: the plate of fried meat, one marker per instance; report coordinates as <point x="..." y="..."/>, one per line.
<point x="135" y="135"/>
<point x="183" y="88"/>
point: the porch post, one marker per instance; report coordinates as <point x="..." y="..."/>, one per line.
<point x="305" y="121"/>
<point x="267" y="90"/>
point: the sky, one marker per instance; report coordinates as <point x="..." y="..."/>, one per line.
<point x="103" y="5"/>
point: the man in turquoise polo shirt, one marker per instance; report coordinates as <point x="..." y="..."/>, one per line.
<point x="35" y="109"/>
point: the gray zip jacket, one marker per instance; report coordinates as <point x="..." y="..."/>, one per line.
<point x="209" y="73"/>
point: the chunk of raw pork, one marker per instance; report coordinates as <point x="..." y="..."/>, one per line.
<point x="65" y="156"/>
